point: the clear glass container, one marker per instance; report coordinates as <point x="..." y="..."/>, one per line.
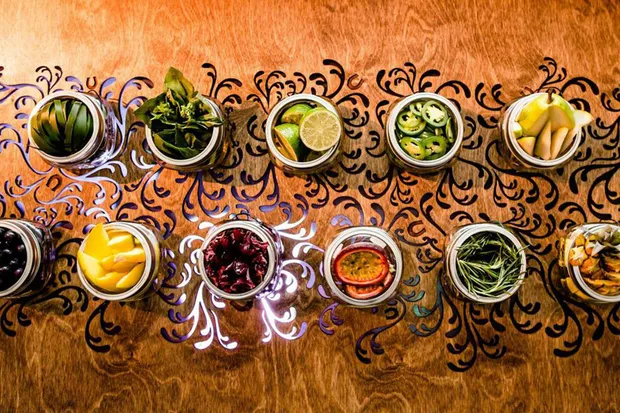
<point x="212" y="156"/>
<point x="39" y="252"/>
<point x="396" y="153"/>
<point x="571" y="278"/>
<point x="275" y="251"/>
<point x="516" y="156"/>
<point x="362" y="236"/>
<point x="327" y="160"/>
<point x="104" y="142"/>
<point x="151" y="240"/>
<point x="452" y="280"/>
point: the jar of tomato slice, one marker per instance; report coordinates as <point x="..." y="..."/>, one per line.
<point x="363" y="266"/>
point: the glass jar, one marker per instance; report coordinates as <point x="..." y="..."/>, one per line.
<point x="452" y="280"/>
<point x="212" y="156"/>
<point x="151" y="240"/>
<point x="39" y="252"/>
<point x="104" y="142"/>
<point x="514" y="153"/>
<point x="363" y="236"/>
<point x="571" y="278"/>
<point x="275" y="251"/>
<point x="323" y="162"/>
<point x="396" y="153"/>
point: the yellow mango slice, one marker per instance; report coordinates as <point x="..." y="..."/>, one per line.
<point x="132" y="278"/>
<point x="109" y="282"/>
<point x="91" y="267"/>
<point x="108" y="263"/>
<point x="122" y="242"/>
<point x="136" y="255"/>
<point x="96" y="243"/>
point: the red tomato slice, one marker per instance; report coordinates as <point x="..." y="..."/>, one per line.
<point x="361" y="264"/>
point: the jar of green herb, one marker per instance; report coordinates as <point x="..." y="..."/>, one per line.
<point x="484" y="263"/>
<point x="74" y="130"/>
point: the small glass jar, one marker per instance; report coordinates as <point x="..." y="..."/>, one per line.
<point x="275" y="251"/>
<point x="151" y="240"/>
<point x="363" y="235"/>
<point x="104" y="142"/>
<point x="325" y="161"/>
<point x="515" y="154"/>
<point x="571" y="277"/>
<point x="38" y="243"/>
<point x="212" y="156"/>
<point x="453" y="282"/>
<point x="397" y="154"/>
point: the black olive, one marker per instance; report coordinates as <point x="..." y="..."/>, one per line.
<point x="14" y="263"/>
<point x="10" y="236"/>
<point x="18" y="273"/>
<point x="4" y="270"/>
<point x="21" y="249"/>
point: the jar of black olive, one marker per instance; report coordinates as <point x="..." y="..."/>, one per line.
<point x="241" y="258"/>
<point x="26" y="256"/>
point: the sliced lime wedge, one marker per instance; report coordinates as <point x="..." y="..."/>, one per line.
<point x="320" y="129"/>
<point x="295" y="113"/>
<point x="288" y="142"/>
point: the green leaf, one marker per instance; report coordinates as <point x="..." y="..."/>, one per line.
<point x="61" y="119"/>
<point x="71" y="120"/>
<point x="80" y="134"/>
<point x="144" y="111"/>
<point x="176" y="81"/>
<point x="42" y="144"/>
<point x="172" y="150"/>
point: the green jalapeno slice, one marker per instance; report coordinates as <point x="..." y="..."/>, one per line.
<point x="434" y="147"/>
<point x="413" y="147"/>
<point x="434" y="113"/>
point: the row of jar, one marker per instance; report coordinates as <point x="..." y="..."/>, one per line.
<point x="240" y="260"/>
<point x="304" y="133"/>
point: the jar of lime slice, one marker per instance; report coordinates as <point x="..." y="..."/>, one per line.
<point x="304" y="134"/>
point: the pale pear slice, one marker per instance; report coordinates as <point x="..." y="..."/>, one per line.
<point x="543" y="143"/>
<point x="517" y="130"/>
<point x="136" y="256"/>
<point x="561" y="114"/>
<point x="557" y="140"/>
<point x="534" y="116"/>
<point x="582" y="118"/>
<point x="109" y="282"/>
<point x="122" y="242"/>
<point x="97" y="243"/>
<point x="527" y="143"/>
<point x="91" y="267"/>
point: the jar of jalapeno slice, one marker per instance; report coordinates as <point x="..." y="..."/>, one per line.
<point x="424" y="132"/>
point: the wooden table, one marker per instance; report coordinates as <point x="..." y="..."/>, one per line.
<point x="426" y="351"/>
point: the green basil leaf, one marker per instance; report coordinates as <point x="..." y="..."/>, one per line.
<point x="174" y="151"/>
<point x="176" y="81"/>
<point x="144" y="111"/>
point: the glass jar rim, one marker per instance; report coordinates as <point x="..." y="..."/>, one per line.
<point x="205" y="153"/>
<point x="371" y="232"/>
<point x="513" y="112"/>
<point x="274" y="115"/>
<point x="32" y="255"/>
<point x="93" y="142"/>
<point x="148" y="268"/>
<point x="575" y="272"/>
<point x="465" y="234"/>
<point x="257" y="229"/>
<point x="390" y="128"/>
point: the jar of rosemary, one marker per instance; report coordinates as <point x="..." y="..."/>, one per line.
<point x="74" y="130"/>
<point x="484" y="263"/>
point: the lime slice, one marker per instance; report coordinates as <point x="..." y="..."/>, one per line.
<point x="320" y="130"/>
<point x="295" y="113"/>
<point x="287" y="141"/>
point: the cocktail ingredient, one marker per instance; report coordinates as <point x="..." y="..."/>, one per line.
<point x="236" y="260"/>
<point x="425" y="130"/>
<point x="304" y="133"/>
<point x="181" y="119"/>
<point x="489" y="264"/>
<point x="12" y="258"/>
<point x="547" y="126"/>
<point x="363" y="270"/>
<point x="62" y="127"/>
<point x="112" y="260"/>
<point x="596" y="256"/>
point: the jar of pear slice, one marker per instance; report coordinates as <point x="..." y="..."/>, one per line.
<point x="541" y="131"/>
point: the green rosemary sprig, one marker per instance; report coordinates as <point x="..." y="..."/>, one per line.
<point x="488" y="264"/>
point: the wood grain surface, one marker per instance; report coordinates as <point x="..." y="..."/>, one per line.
<point x="49" y="366"/>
